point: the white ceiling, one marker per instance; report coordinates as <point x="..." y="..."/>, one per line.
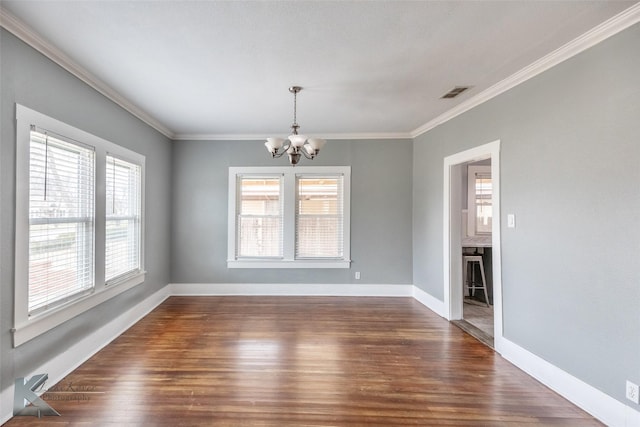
<point x="222" y="68"/>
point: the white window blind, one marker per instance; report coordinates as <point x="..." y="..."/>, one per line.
<point x="123" y="215"/>
<point x="61" y="220"/>
<point x="479" y="200"/>
<point x="483" y="207"/>
<point x="319" y="217"/>
<point x="260" y="217"/>
<point x="284" y="217"/>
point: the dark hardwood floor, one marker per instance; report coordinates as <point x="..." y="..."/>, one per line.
<point x="300" y="361"/>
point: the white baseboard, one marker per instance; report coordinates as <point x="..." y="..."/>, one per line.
<point x="429" y="301"/>
<point x="6" y="405"/>
<point x="61" y="365"/>
<point x="291" y="289"/>
<point x="602" y="406"/>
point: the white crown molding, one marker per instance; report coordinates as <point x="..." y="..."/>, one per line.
<point x="378" y="135"/>
<point x="612" y="26"/>
<point x="33" y="39"/>
<point x="261" y="137"/>
<point x="599" y="33"/>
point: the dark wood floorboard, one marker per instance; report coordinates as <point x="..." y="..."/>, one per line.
<point x="300" y="361"/>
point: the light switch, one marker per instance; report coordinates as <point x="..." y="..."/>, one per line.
<point x="511" y="221"/>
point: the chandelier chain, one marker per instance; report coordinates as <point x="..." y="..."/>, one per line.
<point x="295" y="107"/>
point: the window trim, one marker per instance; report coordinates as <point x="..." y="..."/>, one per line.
<point x="137" y="217"/>
<point x="28" y="327"/>
<point x="289" y="195"/>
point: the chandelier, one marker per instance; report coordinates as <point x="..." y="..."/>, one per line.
<point x="296" y="144"/>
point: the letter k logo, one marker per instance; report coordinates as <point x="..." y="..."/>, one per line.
<point x="25" y="392"/>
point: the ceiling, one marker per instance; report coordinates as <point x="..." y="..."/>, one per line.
<point x="221" y="69"/>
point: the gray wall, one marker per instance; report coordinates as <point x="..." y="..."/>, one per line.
<point x="30" y="79"/>
<point x="570" y="156"/>
<point x="569" y="166"/>
<point x="380" y="211"/>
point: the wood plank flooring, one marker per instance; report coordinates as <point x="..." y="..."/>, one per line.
<point x="477" y="321"/>
<point x="478" y="314"/>
<point x="300" y="361"/>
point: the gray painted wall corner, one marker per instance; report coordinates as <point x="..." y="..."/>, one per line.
<point x="569" y="156"/>
<point x="31" y="79"/>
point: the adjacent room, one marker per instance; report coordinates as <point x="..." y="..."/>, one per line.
<point x="319" y="213"/>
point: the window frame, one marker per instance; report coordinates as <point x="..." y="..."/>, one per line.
<point x="300" y="244"/>
<point x="56" y="151"/>
<point x="136" y="218"/>
<point x="239" y="215"/>
<point x="289" y="196"/>
<point x="27" y="327"/>
<point x="472" y="172"/>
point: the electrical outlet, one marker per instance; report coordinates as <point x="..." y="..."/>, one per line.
<point x="357" y="275"/>
<point x="632" y="392"/>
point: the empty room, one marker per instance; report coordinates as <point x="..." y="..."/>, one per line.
<point x="319" y="213"/>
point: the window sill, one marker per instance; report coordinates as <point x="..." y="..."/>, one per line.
<point x="261" y="263"/>
<point x="44" y="322"/>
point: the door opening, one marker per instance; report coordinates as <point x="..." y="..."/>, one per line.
<point x="472" y="234"/>
<point x="476" y="219"/>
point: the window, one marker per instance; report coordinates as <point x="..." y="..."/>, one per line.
<point x="61" y="220"/>
<point x="78" y="222"/>
<point x="480" y="191"/>
<point x="285" y="217"/>
<point x="122" y="252"/>
<point x="260" y="217"/>
<point x="319" y="217"/>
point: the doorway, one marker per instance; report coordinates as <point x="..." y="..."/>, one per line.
<point x="456" y="230"/>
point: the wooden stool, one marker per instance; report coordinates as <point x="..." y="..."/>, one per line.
<point x="472" y="285"/>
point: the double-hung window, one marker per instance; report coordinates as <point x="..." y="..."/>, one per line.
<point x="123" y="218"/>
<point x="480" y="193"/>
<point x="319" y="216"/>
<point x="260" y="216"/>
<point x="284" y="217"/>
<point x="61" y="220"/>
<point x="79" y="228"/>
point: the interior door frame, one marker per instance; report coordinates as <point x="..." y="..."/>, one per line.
<point x="452" y="253"/>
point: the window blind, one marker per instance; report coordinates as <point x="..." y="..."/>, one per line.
<point x="483" y="195"/>
<point x="319" y="217"/>
<point x="260" y="217"/>
<point x="123" y="214"/>
<point x="61" y="220"/>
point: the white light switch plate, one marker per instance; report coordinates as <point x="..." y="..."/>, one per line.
<point x="632" y="392"/>
<point x="511" y="220"/>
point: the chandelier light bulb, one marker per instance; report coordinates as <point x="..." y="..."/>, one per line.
<point x="275" y="143"/>
<point x="316" y="143"/>
<point x="297" y="140"/>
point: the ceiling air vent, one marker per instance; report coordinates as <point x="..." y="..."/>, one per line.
<point x="455" y="92"/>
